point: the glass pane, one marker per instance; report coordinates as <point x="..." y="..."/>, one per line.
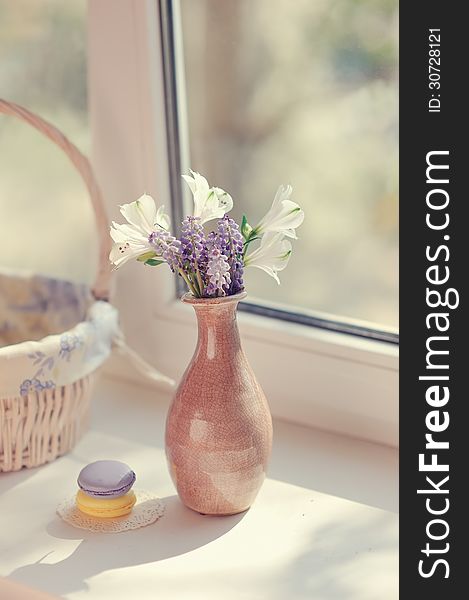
<point x="46" y="222"/>
<point x="304" y="93"/>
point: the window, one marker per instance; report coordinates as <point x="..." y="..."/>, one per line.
<point x="334" y="381"/>
<point x="47" y="224"/>
<point x="303" y="92"/>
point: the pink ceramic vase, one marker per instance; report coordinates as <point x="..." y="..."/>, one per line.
<point x="219" y="428"/>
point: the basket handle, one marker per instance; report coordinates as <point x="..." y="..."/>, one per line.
<point x="101" y="284"/>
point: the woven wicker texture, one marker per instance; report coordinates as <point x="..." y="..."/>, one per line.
<point x="41" y="426"/>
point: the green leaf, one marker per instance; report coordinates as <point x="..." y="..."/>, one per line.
<point x="144" y="257"/>
<point x="246" y="229"/>
<point x="154" y="263"/>
<point x="252" y="239"/>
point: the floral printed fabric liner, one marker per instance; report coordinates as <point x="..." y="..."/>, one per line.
<point x="34" y="306"/>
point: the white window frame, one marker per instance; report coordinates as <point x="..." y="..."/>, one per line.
<point x="325" y="379"/>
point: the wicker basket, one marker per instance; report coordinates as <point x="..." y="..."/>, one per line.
<point x="49" y="363"/>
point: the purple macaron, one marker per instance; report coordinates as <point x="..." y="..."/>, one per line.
<point x="106" y="479"/>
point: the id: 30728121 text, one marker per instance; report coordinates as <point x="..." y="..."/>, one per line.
<point x="434" y="70"/>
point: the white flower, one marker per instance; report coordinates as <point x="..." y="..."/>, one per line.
<point x="209" y="203"/>
<point x="272" y="255"/>
<point x="143" y="215"/>
<point x="284" y="215"/>
<point x="131" y="240"/>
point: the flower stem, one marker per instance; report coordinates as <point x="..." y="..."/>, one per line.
<point x="195" y="293"/>
<point x="199" y="279"/>
<point x="196" y="284"/>
<point x="252" y="237"/>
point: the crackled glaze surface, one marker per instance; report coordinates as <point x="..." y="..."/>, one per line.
<point x="219" y="427"/>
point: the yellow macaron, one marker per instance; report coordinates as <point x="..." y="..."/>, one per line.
<point x="106" y="507"/>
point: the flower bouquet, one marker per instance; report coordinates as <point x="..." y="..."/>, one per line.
<point x="212" y="264"/>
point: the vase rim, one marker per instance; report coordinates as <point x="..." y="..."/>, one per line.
<point x="189" y="298"/>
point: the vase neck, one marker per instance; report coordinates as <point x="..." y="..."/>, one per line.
<point x="218" y="333"/>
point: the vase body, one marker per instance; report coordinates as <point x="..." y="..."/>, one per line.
<point x="219" y="427"/>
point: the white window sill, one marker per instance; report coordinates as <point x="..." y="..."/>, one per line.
<point x="323" y="525"/>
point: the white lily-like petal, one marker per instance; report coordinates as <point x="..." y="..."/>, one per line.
<point x="272" y="255"/>
<point x="122" y="252"/>
<point x="131" y="239"/>
<point x="126" y="232"/>
<point x="129" y="242"/>
<point x="284" y="215"/>
<point x="143" y="215"/>
<point x="197" y="183"/>
<point x="162" y="219"/>
<point x="209" y="203"/>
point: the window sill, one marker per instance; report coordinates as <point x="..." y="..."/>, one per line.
<point x="324" y="522"/>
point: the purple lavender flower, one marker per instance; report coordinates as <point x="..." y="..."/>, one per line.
<point x="194" y="244"/>
<point x="194" y="251"/>
<point x="168" y="247"/>
<point x="218" y="274"/>
<point x="211" y="266"/>
<point x="229" y="241"/>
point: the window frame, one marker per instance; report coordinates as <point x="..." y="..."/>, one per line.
<point x="179" y="159"/>
<point x="322" y="377"/>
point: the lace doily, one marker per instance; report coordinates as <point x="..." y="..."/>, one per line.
<point x="146" y="510"/>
